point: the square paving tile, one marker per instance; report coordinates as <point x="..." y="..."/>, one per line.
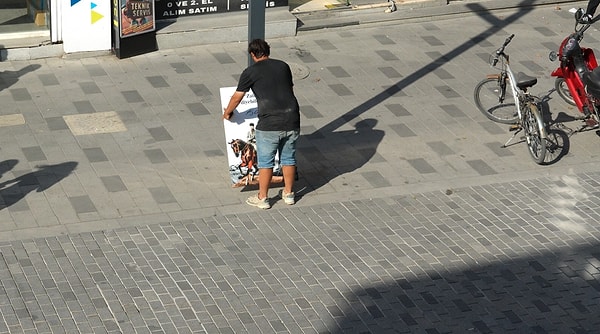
<point x="94" y="123"/>
<point x="10" y="120"/>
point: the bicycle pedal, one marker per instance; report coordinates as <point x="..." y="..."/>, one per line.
<point x="514" y="127"/>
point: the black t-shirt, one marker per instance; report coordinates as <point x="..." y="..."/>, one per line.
<point x="271" y="82"/>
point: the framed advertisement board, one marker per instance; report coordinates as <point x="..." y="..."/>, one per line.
<point x="136" y="17"/>
<point x="134" y="29"/>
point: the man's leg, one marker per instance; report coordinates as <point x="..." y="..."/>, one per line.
<point x="264" y="180"/>
<point x="289" y="175"/>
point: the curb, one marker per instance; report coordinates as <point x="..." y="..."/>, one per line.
<point x="406" y="11"/>
<point x="200" y="31"/>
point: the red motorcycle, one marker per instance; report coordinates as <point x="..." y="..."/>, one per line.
<point x="578" y="77"/>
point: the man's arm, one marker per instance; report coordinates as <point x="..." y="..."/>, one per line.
<point x="591" y="7"/>
<point x="233" y="103"/>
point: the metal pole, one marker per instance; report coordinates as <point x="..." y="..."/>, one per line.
<point x="256" y="22"/>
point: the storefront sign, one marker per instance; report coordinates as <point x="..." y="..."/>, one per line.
<point x="167" y="9"/>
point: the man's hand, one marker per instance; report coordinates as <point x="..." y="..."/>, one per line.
<point x="227" y="115"/>
<point x="235" y="100"/>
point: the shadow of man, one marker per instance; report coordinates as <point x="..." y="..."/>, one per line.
<point x="7" y="166"/>
<point x="46" y="176"/>
<point x="9" y="78"/>
<point x="335" y="154"/>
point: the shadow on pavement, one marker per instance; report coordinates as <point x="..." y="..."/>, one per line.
<point x="9" y="78"/>
<point x="497" y="25"/>
<point x="335" y="154"/>
<point x="558" y="143"/>
<point x="12" y="191"/>
<point x="552" y="293"/>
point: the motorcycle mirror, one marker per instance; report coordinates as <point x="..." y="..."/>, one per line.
<point x="579" y="14"/>
<point x="553" y="56"/>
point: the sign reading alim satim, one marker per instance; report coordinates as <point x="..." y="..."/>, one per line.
<point x="170" y="9"/>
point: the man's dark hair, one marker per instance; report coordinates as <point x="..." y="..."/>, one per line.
<point x="259" y="48"/>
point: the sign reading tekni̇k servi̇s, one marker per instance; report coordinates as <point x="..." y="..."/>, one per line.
<point x="136" y="17"/>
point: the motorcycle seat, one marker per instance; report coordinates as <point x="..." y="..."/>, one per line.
<point x="525" y="81"/>
<point x="591" y="80"/>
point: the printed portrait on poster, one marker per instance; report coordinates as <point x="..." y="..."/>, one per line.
<point x="137" y="17"/>
<point x="241" y="142"/>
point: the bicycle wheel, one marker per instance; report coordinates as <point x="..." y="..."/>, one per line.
<point x="533" y="126"/>
<point x="487" y="99"/>
<point x="563" y="91"/>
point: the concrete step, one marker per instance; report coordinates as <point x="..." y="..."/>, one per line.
<point x="221" y="28"/>
<point x="311" y="18"/>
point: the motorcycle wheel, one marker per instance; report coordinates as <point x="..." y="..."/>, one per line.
<point x="563" y="91"/>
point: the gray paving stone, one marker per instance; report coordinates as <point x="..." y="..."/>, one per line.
<point x="20" y="94"/>
<point x="158" y="81"/>
<point x="386" y="55"/>
<point x="132" y="96"/>
<point x="197" y="109"/>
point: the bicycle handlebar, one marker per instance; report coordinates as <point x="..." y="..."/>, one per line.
<point x="500" y="51"/>
<point x="586" y="26"/>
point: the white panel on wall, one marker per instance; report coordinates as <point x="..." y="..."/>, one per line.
<point x="86" y="25"/>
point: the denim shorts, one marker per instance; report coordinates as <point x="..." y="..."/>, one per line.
<point x="268" y="143"/>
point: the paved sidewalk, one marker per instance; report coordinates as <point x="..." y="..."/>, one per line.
<point x="117" y="215"/>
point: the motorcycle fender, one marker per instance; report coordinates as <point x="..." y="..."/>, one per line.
<point x="590" y="58"/>
<point x="557" y="73"/>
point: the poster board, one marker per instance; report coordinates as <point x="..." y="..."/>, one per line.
<point x="241" y="145"/>
<point x="136" y="17"/>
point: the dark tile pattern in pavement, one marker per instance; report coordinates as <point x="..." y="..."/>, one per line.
<point x="510" y="257"/>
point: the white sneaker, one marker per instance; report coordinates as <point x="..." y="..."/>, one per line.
<point x="288" y="198"/>
<point x="259" y="203"/>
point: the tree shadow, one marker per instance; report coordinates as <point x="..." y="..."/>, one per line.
<point x="9" y="78"/>
<point x="12" y="191"/>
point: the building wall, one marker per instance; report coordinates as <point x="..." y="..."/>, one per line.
<point x="86" y="25"/>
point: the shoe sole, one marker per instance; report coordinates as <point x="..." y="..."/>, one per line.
<point x="257" y="205"/>
<point x="286" y="201"/>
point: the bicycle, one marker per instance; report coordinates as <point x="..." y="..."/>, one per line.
<point x="519" y="108"/>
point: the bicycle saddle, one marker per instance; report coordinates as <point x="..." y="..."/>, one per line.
<point x="525" y="81"/>
<point x="591" y="80"/>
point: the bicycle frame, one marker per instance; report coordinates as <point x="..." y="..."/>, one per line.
<point x="506" y="74"/>
<point x="517" y="94"/>
<point x="521" y="97"/>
